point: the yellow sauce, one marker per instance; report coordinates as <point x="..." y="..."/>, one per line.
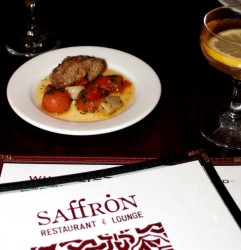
<point x="73" y="114"/>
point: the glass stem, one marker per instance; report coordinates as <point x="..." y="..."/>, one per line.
<point x="235" y="105"/>
<point x="31" y="25"/>
<point x="32" y="39"/>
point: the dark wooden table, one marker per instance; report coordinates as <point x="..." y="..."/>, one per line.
<point x="166" y="36"/>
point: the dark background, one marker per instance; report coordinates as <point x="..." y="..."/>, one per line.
<point x="165" y="35"/>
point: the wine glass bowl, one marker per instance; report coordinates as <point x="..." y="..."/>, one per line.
<point x="33" y="40"/>
<point x="220" y="41"/>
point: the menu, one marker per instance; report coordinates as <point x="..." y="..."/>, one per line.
<point x="152" y="205"/>
<point x="231" y="177"/>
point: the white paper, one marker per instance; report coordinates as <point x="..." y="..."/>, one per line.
<point x="174" y="207"/>
<point x="12" y="172"/>
<point x="230" y="175"/>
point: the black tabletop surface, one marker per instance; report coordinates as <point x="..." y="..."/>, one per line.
<point x="163" y="34"/>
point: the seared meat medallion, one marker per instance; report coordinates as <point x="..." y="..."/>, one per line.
<point x="73" y="68"/>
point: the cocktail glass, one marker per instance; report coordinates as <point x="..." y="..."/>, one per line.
<point x="220" y="40"/>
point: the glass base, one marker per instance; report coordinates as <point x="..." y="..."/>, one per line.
<point x="27" y="46"/>
<point x="220" y="129"/>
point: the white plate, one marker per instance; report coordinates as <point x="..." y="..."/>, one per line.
<point x="23" y="84"/>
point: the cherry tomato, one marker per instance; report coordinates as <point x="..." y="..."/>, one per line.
<point x="111" y="83"/>
<point x="81" y="82"/>
<point x="88" y="106"/>
<point x="92" y="92"/>
<point x="56" y="100"/>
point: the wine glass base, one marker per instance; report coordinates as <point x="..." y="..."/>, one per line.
<point x="218" y="128"/>
<point x="17" y="44"/>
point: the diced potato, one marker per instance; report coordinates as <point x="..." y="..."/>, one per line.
<point x="110" y="105"/>
<point x="74" y="91"/>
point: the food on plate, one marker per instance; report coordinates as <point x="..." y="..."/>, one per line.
<point x="95" y="93"/>
<point x="56" y="100"/>
<point x="83" y="88"/>
<point x="74" y="91"/>
<point x="73" y="68"/>
<point x="110" y="104"/>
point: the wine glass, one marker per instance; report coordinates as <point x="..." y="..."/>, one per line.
<point x="220" y="40"/>
<point x="34" y="40"/>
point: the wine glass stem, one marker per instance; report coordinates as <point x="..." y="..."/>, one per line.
<point x="32" y="39"/>
<point x="235" y="105"/>
<point x="31" y="25"/>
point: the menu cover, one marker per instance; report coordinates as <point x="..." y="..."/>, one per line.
<point x="229" y="170"/>
<point x="175" y="203"/>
